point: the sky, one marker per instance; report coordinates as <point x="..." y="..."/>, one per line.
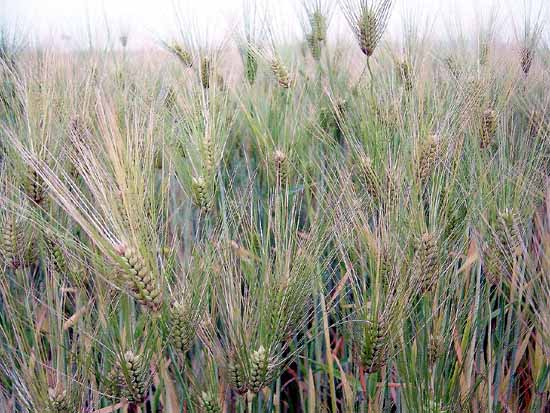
<point x="68" y="22"/>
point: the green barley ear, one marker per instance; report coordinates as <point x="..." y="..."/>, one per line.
<point x="314" y="45"/>
<point x="367" y="32"/>
<point x="527" y="55"/>
<point x="209" y="403"/>
<point x="427" y="262"/>
<point x="282" y="166"/>
<point x="368" y="20"/>
<point x="331" y="117"/>
<point x="372" y="183"/>
<point x="319" y="25"/>
<point x="504" y="245"/>
<point x="202" y="196"/>
<point x="509" y="231"/>
<point x="183" y="55"/>
<point x="453" y="67"/>
<point x="435" y="348"/>
<point x="484" y="50"/>
<point x="205" y="72"/>
<point x="371" y="348"/>
<point x="35" y="188"/>
<point x="316" y="25"/>
<point x="16" y="242"/>
<point x="57" y="256"/>
<point x="404" y="72"/>
<point x="384" y="263"/>
<point x="536" y="123"/>
<point x="281" y="73"/>
<point x="182" y="328"/>
<point x="60" y="401"/>
<point x="140" y="278"/>
<point x="259" y="369"/>
<point x="131" y="377"/>
<point x="250" y="65"/>
<point x="489" y="123"/>
<point x="429" y="156"/>
<point x="207" y="154"/>
<point x="170" y="98"/>
<point x="493" y="266"/>
<point x="236" y="376"/>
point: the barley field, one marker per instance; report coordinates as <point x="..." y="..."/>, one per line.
<point x="329" y="224"/>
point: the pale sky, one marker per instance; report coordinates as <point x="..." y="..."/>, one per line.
<point x="65" y="21"/>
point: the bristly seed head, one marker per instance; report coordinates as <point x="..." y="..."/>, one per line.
<point x="509" y="231"/>
<point x="60" y="402"/>
<point x="35" y="187"/>
<point x="207" y="153"/>
<point x="314" y="46"/>
<point x="16" y="244"/>
<point x="372" y="183"/>
<point x="372" y="346"/>
<point x="209" y="403"/>
<point x="205" y="72"/>
<point x="182" y="327"/>
<point x="427" y="262"/>
<point x="405" y="74"/>
<point x="259" y="369"/>
<point x="183" y="55"/>
<point x="429" y="156"/>
<point x="536" y="123"/>
<point x="282" y="166"/>
<point x="435" y="348"/>
<point x="526" y="59"/>
<point x="236" y="376"/>
<point x="201" y="194"/>
<point x="489" y="125"/>
<point x="367" y="32"/>
<point x="140" y="278"/>
<point x="319" y="25"/>
<point x="130" y="378"/>
<point x="503" y="247"/>
<point x="281" y="73"/>
<point x="57" y="256"/>
<point x="251" y="65"/>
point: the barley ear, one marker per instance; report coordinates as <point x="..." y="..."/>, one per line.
<point x="209" y="403"/>
<point x="427" y="262"/>
<point x="281" y="73"/>
<point x="59" y="401"/>
<point x="140" y="278"/>
<point x="134" y="377"/>
<point x="236" y="376"/>
<point x="259" y="369"/>
<point x="429" y="156"/>
<point x="205" y="72"/>
<point x="282" y="166"/>
<point x="367" y="32"/>
<point x="488" y="128"/>
<point x="182" y="328"/>
<point x="202" y="196"/>
<point x="372" y="349"/>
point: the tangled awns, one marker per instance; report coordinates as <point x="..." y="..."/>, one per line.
<point x="264" y="224"/>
